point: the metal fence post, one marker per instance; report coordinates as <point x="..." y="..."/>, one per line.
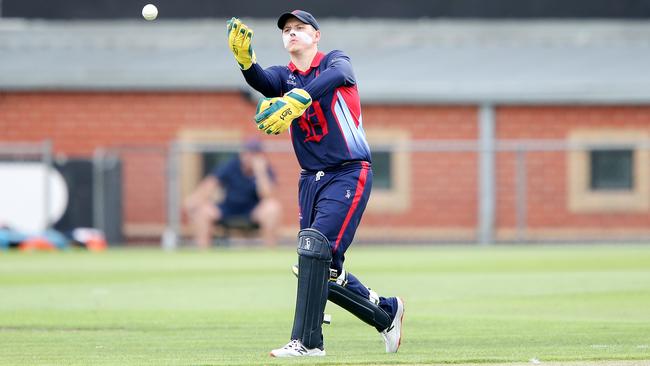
<point x="521" y="191"/>
<point x="486" y="188"/>
<point x="171" y="237"/>
<point x="99" y="161"/>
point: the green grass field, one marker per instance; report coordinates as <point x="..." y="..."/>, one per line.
<point x="230" y="307"/>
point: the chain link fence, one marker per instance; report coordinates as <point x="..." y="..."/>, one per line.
<point x="424" y="191"/>
<point x="432" y="191"/>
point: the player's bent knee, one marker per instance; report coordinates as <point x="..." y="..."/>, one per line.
<point x="313" y="244"/>
<point x="207" y="212"/>
<point x="273" y="207"/>
<point x="314" y="259"/>
<point x="268" y="212"/>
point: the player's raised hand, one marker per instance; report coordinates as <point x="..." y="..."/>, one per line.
<point x="239" y="42"/>
<point x="278" y="114"/>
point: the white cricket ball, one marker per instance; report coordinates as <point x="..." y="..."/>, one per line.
<point x="149" y="12"/>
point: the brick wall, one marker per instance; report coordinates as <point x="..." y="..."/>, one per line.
<point x="443" y="185"/>
<point x="443" y="193"/>
<point x="547" y="178"/>
<point x="78" y="122"/>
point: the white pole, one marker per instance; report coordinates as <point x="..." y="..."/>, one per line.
<point x="486" y="177"/>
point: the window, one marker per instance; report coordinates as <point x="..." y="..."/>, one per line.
<point x="601" y="179"/>
<point x="391" y="167"/>
<point x="612" y="170"/>
<point x="195" y="165"/>
<point x="381" y="169"/>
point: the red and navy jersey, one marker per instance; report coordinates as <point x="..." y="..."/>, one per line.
<point x="330" y="132"/>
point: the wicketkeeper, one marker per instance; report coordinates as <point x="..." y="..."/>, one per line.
<point x="316" y="97"/>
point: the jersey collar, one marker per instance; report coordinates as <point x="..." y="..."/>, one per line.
<point x="314" y="63"/>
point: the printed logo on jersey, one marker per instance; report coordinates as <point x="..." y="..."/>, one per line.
<point x="291" y="80"/>
<point x="313" y="123"/>
<point x="348" y="194"/>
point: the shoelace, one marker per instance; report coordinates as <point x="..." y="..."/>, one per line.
<point x="292" y="345"/>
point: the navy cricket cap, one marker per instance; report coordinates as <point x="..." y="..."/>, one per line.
<point x="302" y="15"/>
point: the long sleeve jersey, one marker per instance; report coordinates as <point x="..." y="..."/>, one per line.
<point x="330" y="133"/>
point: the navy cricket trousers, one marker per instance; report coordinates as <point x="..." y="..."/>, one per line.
<point x="333" y="202"/>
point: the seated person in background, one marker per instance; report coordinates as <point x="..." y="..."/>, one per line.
<point x="246" y="184"/>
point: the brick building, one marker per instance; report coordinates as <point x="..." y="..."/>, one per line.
<point x="481" y="129"/>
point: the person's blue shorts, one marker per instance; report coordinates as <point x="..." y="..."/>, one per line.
<point x="230" y="212"/>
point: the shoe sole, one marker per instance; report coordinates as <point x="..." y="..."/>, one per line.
<point x="307" y="355"/>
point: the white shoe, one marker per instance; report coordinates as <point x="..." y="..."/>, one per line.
<point x="393" y="334"/>
<point x="296" y="349"/>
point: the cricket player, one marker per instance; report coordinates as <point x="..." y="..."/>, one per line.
<point x="315" y="97"/>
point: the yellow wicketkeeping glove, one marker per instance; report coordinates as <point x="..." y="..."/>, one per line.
<point x="264" y="104"/>
<point x="277" y="116"/>
<point x="239" y="42"/>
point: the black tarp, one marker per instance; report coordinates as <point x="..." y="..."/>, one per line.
<point x="175" y="9"/>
